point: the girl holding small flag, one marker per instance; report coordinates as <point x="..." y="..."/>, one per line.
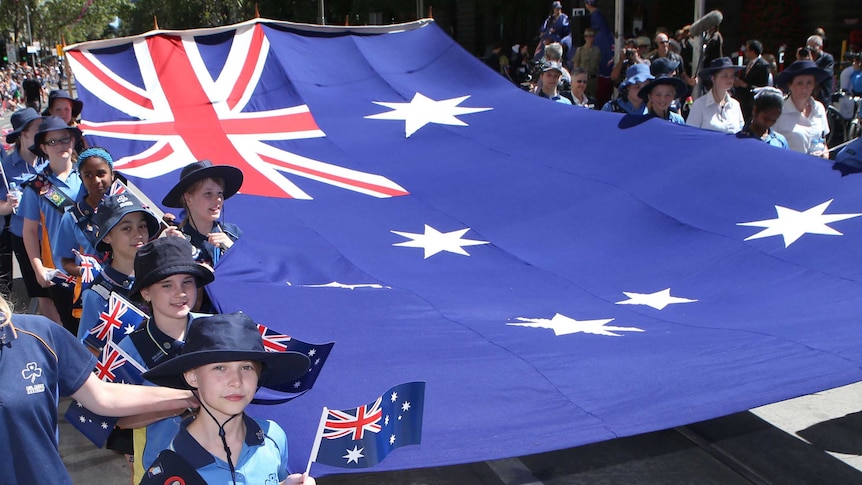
<point x="224" y="363"/>
<point x="56" y="188"/>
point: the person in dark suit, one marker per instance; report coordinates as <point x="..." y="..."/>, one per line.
<point x="825" y="61"/>
<point x="755" y="75"/>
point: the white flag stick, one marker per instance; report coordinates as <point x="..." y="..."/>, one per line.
<point x="317" y="438"/>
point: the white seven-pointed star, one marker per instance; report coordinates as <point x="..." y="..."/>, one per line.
<point x="422" y="110"/>
<point x="792" y="224"/>
<point x="657" y="300"/>
<point x="563" y="325"/>
<point x="354" y="455"/>
<point x="434" y="241"/>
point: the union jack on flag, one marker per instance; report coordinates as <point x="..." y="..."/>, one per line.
<point x="187" y="100"/>
<point x="90" y="267"/>
<point x="114" y="365"/>
<point x="393" y="420"/>
<point x="119" y="319"/>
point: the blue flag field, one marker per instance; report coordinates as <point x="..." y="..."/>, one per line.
<point x="555" y="276"/>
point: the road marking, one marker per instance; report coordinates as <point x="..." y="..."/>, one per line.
<point x="513" y="470"/>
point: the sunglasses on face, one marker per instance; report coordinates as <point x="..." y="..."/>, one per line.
<point x="58" y="141"/>
<point x="581" y="81"/>
<point x="664" y="42"/>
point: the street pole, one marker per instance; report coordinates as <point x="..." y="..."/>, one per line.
<point x="30" y="34"/>
<point x="320" y="12"/>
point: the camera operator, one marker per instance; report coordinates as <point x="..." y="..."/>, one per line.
<point x="629" y="57"/>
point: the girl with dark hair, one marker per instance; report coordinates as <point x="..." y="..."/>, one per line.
<point x="765" y="112"/>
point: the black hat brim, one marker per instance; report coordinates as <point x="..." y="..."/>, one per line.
<point x="785" y="77"/>
<point x="203" y="275"/>
<point x="707" y="72"/>
<point x="231" y="176"/>
<point x="279" y="367"/>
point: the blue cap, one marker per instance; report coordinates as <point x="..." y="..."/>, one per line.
<point x="20" y="120"/>
<point x="637" y="73"/>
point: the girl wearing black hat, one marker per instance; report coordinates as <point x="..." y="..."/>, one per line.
<point x="201" y="192"/>
<point x="167" y="279"/>
<point x="19" y="162"/>
<point x="803" y="119"/>
<point x="56" y="188"/>
<point x="717" y="110"/>
<point x="659" y="94"/>
<point x="224" y="363"/>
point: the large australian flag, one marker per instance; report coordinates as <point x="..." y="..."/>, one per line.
<point x="557" y="276"/>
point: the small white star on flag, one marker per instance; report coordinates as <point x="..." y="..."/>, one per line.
<point x="792" y="224"/>
<point x="422" y="110"/>
<point x="563" y="325"/>
<point x="658" y="300"/>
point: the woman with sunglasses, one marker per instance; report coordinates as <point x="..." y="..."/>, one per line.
<point x="579" y="87"/>
<point x="56" y="188"/>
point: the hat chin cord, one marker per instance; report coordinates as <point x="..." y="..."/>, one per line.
<point x="221" y="435"/>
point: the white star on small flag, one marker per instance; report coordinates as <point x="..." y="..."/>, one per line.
<point x="422" y="110"/>
<point x="792" y="224"/>
<point x="563" y="325"/>
<point x="434" y="241"/>
<point x="658" y="300"/>
<point x="354" y="455"/>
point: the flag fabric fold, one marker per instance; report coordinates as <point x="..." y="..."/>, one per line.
<point x="557" y="276"/>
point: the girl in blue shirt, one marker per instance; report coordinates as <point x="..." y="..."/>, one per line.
<point x="224" y="363"/>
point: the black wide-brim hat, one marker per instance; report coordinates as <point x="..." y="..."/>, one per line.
<point x="111" y="211"/>
<point x="678" y="86"/>
<point x="717" y="65"/>
<point x="165" y="257"/>
<point x="48" y="124"/>
<point x="20" y="120"/>
<point x="200" y="170"/>
<point x="228" y="337"/>
<point x="799" y="68"/>
<point x="77" y="104"/>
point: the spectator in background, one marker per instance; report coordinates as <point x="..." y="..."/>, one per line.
<point x="803" y="119"/>
<point x="854" y="69"/>
<point x="766" y="110"/>
<point x="683" y="37"/>
<point x="587" y="58"/>
<point x="554" y="55"/>
<point x="556" y="28"/>
<point x="604" y="40"/>
<point x="498" y="61"/>
<point x="629" y="57"/>
<point x="659" y="94"/>
<point x="803" y="54"/>
<point x="663" y="52"/>
<point x="629" y="101"/>
<point x="551" y="73"/>
<point x="825" y="61"/>
<point x="717" y="110"/>
<point x="579" y="85"/>
<point x="755" y="75"/>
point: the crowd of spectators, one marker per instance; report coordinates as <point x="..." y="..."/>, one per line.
<point x="22" y="85"/>
<point x="686" y="78"/>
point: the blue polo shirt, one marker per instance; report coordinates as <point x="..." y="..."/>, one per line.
<point x="773" y="138"/>
<point x="70" y="235"/>
<point x="263" y="458"/>
<point x="39" y="362"/>
<point x="34" y="206"/>
<point x="14" y="166"/>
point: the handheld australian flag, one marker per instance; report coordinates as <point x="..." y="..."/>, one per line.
<point x="362" y="437"/>
<point x="274" y="341"/>
<point x="114" y="365"/>
<point x="119" y="319"/>
<point x="90" y="267"/>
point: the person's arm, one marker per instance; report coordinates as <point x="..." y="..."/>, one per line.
<point x="146" y="419"/>
<point x="695" y="114"/>
<point x="112" y="399"/>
